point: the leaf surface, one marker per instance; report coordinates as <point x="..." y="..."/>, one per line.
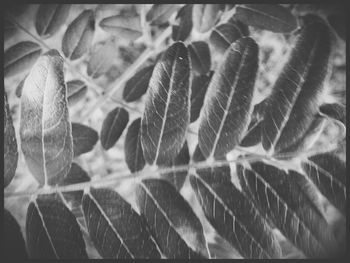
<point x="127" y="27"/>
<point x="160" y="13"/>
<point x="205" y="16"/>
<point x="84" y="138"/>
<point x="181" y="31"/>
<point x="198" y="90"/>
<point x="200" y="56"/>
<point x="76" y="91"/>
<point x="334" y="110"/>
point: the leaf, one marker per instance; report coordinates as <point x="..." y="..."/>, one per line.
<point x="298" y="90"/>
<point x="338" y="23"/>
<point x="20" y="87"/>
<point x="283" y="198"/>
<point x="167" y="112"/>
<point x="113" y="127"/>
<point x="133" y="148"/>
<point x="198" y="90"/>
<point x="328" y="173"/>
<point x="52" y="232"/>
<point x="76" y="91"/>
<point x="50" y="18"/>
<point x="20" y="57"/>
<point x="178" y="178"/>
<point x="115" y="228"/>
<point x="200" y="56"/>
<point x="45" y="129"/>
<point x="181" y="31"/>
<point x="9" y="29"/>
<point x="10" y="145"/>
<point x="227" y="105"/>
<point x="13" y="246"/>
<point x="78" y="37"/>
<point x="128" y="27"/>
<point x="101" y="59"/>
<point x="231" y="213"/>
<point x="272" y="17"/>
<point x="171" y="219"/>
<point x="84" y="138"/>
<point x="160" y="13"/>
<point x="334" y="110"/>
<point x="205" y="16"/>
<point x="224" y="35"/>
<point x="136" y="86"/>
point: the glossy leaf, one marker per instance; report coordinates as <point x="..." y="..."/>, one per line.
<point x="198" y="90"/>
<point x="52" y="232"/>
<point x="160" y="13"/>
<point x="200" y="56"/>
<point x="138" y="84"/>
<point x="20" y="57"/>
<point x="272" y="17"/>
<point x="116" y="230"/>
<point x="205" y="16"/>
<point x="133" y="148"/>
<point x="45" y="128"/>
<point x="76" y="91"/>
<point x="298" y="91"/>
<point x="50" y="18"/>
<point x="10" y="145"/>
<point x="334" y="110"/>
<point x="181" y="31"/>
<point x="228" y="103"/>
<point x="78" y="37"/>
<point x="84" y="138"/>
<point x="167" y="106"/>
<point x="113" y="127"/>
<point x="128" y="27"/>
<point x="13" y="246"/>
<point x="171" y="219"/>
<point x="328" y="173"/>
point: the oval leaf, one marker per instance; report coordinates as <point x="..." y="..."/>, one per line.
<point x="205" y="16"/>
<point x="227" y="105"/>
<point x="52" y="231"/>
<point x="50" y="18"/>
<point x="84" y="138"/>
<point x="10" y="145"/>
<point x="138" y="84"/>
<point x="78" y="37"/>
<point x="128" y="27"/>
<point x="76" y="91"/>
<point x="171" y="219"/>
<point x="160" y="13"/>
<point x="113" y="127"/>
<point x="167" y="112"/>
<point x="181" y="31"/>
<point x="200" y="56"/>
<point x="298" y="91"/>
<point x="115" y="228"/>
<point x="20" y="57"/>
<point x="272" y="17"/>
<point x="198" y="90"/>
<point x="45" y="128"/>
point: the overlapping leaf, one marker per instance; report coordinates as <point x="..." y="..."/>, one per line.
<point x="181" y="31"/>
<point x="52" y="232"/>
<point x="160" y="13"/>
<point x="116" y="230"/>
<point x="45" y="129"/>
<point x="334" y="110"/>
<point x="200" y="56"/>
<point x="76" y="91"/>
<point x="227" y="105"/>
<point x="78" y="37"/>
<point x="128" y="27"/>
<point x="84" y="138"/>
<point x="205" y="16"/>
<point x="298" y="90"/>
<point x="167" y="107"/>
<point x="198" y="90"/>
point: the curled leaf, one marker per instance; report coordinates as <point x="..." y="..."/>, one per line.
<point x="200" y="56"/>
<point x="128" y="27"/>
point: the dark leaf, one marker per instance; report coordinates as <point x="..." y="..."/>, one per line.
<point x="128" y="27"/>
<point x="334" y="110"/>
<point x="167" y="107"/>
<point x="338" y="23"/>
<point x="20" y="87"/>
<point x="178" y="178"/>
<point x="84" y="138"/>
<point x="298" y="91"/>
<point x="183" y="29"/>
<point x="138" y="84"/>
<point x="133" y="148"/>
<point x="328" y="173"/>
<point x="10" y="145"/>
<point x="160" y="13"/>
<point x="200" y="56"/>
<point x="198" y="90"/>
<point x="113" y="127"/>
<point x="115" y="228"/>
<point x="50" y="18"/>
<point x="171" y="220"/>
<point x="13" y="246"/>
<point x="253" y="135"/>
<point x="76" y="90"/>
<point x="272" y="17"/>
<point x="20" y="57"/>
<point x="45" y="129"/>
<point x="227" y="105"/>
<point x="78" y="37"/>
<point x="52" y="231"/>
<point x="205" y="16"/>
<point x="283" y="198"/>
